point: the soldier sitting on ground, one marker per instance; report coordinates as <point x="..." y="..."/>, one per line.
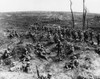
<point x="38" y="47"/>
<point x="26" y="67"/>
<point x="49" y="76"/>
<point x="69" y="49"/>
<point x="42" y="76"/>
<point x="73" y="34"/>
<point x="68" y="33"/>
<point x="40" y="52"/>
<point x="76" y="63"/>
<point x="97" y="50"/>
<point x="5" y="55"/>
<point x="72" y="64"/>
<point x="80" y="35"/>
<point x="69" y="65"/>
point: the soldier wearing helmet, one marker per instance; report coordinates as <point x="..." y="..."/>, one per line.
<point x="59" y="48"/>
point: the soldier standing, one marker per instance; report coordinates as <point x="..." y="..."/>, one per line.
<point x="91" y="35"/>
<point x="63" y="32"/>
<point x="85" y="36"/>
<point x="59" y="48"/>
<point x="68" y="33"/>
<point x="56" y="38"/>
<point x="49" y="37"/>
<point x="79" y="35"/>
<point x="61" y="37"/>
<point x="98" y="38"/>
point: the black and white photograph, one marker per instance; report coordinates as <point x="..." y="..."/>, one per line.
<point x="49" y="39"/>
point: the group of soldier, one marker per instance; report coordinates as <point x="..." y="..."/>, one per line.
<point x="57" y="36"/>
<point x="69" y="33"/>
<point x="7" y="57"/>
<point x="62" y="34"/>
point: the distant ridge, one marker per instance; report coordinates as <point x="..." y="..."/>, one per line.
<point x="49" y="12"/>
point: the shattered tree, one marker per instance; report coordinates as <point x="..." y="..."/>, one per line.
<point x="84" y="14"/>
<point x="73" y="22"/>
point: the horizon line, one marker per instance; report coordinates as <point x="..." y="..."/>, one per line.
<point x="45" y="11"/>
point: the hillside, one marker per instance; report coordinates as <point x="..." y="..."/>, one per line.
<point x="35" y="44"/>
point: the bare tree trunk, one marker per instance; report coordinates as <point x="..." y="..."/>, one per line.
<point x="84" y="14"/>
<point x="87" y="24"/>
<point x="73" y="23"/>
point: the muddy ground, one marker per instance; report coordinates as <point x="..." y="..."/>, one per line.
<point x="87" y="69"/>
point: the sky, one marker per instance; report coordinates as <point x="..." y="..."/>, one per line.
<point x="48" y="5"/>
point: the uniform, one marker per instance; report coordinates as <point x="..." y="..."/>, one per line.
<point x="86" y="36"/>
<point x="59" y="48"/>
<point x="98" y="38"/>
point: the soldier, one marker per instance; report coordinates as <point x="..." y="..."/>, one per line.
<point x="32" y="36"/>
<point x="27" y="56"/>
<point x="69" y="65"/>
<point x="82" y="34"/>
<point x="61" y="37"/>
<point x="73" y="34"/>
<point x="69" y="49"/>
<point x="49" y="35"/>
<point x="51" y="30"/>
<point x="59" y="48"/>
<point x="59" y="30"/>
<point x="79" y="34"/>
<point x="16" y="34"/>
<point x="10" y="36"/>
<point x="26" y="67"/>
<point x="26" y="59"/>
<point x="5" y="55"/>
<point x="56" y="38"/>
<point x="50" y="38"/>
<point x="49" y="76"/>
<point x="38" y="46"/>
<point x="63" y="32"/>
<point x="91" y="35"/>
<point x="98" y="38"/>
<point x="35" y="29"/>
<point x="85" y="36"/>
<point x="67" y="33"/>
<point x="40" y="51"/>
<point x="76" y="63"/>
<point x="22" y="57"/>
<point x="76" y="35"/>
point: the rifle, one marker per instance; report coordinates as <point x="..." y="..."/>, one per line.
<point x="37" y="72"/>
